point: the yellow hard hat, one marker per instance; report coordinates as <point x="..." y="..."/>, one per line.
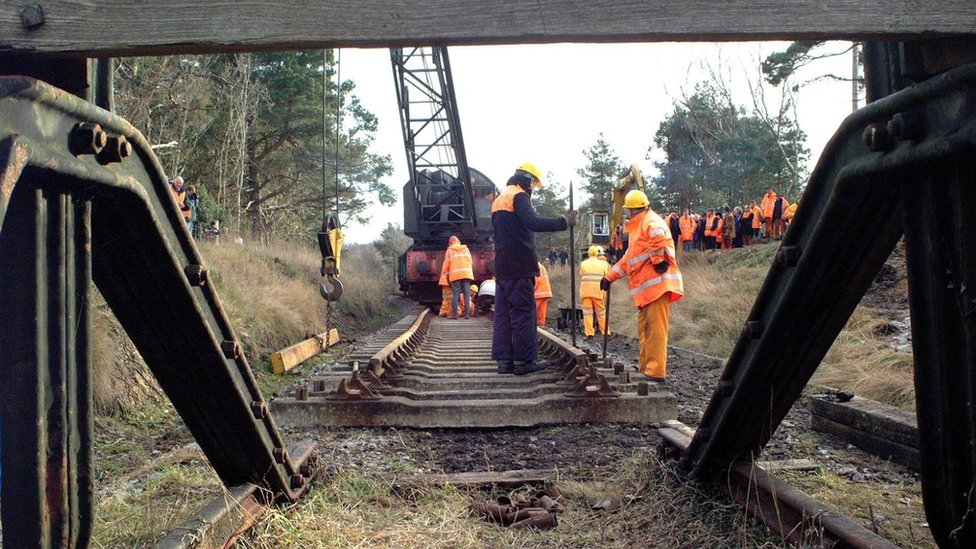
<point x="474" y="287"/>
<point x="636" y="199"/>
<point x="593" y="251"/>
<point x="532" y="170"/>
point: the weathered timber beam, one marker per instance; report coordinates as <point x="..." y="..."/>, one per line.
<point x="292" y="356"/>
<point x="124" y="27"/>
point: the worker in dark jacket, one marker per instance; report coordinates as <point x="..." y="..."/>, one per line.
<point x="514" y="344"/>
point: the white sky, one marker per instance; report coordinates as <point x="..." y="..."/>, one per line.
<point x="548" y="103"/>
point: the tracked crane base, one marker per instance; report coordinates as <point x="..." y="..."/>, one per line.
<point x="451" y="381"/>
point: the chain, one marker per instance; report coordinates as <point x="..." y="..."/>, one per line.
<point x="328" y="324"/>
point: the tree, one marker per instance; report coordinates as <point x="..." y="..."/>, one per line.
<point x="780" y="67"/>
<point x="550" y="201"/>
<point x="248" y="129"/>
<point x="391" y="244"/>
<point x="599" y="176"/>
<point x="716" y="154"/>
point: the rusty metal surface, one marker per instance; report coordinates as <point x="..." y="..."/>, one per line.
<point x="436" y="372"/>
<point x="70" y="215"/>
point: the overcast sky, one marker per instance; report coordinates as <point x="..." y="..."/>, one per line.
<point x="548" y="103"/>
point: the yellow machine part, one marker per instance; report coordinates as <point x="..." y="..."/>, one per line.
<point x="630" y="181"/>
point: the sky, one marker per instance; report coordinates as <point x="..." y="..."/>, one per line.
<point x="547" y="104"/>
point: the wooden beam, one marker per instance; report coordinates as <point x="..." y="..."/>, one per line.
<point x="141" y="27"/>
<point x="288" y="358"/>
<point x="474" y="479"/>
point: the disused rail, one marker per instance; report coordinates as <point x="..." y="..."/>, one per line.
<point x="439" y="373"/>
<point x="781" y="507"/>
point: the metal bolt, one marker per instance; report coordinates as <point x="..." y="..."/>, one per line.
<point x="905" y="126"/>
<point x="32" y="16"/>
<point x="116" y="149"/>
<point x="643" y="389"/>
<point x="618" y="368"/>
<point x="280" y="455"/>
<point x="297" y="482"/>
<point x="788" y="256"/>
<point x="877" y="138"/>
<point x="753" y="329"/>
<point x="196" y="275"/>
<point x="307" y="469"/>
<point x="230" y="349"/>
<point x="86" y="138"/>
<point x="301" y="393"/>
<point x="259" y="409"/>
<point x="318" y="385"/>
<point x="724" y="388"/>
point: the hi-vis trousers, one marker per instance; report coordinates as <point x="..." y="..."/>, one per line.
<point x="652" y="328"/>
<point x="593" y="305"/>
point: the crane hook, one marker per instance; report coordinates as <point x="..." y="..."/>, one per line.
<point x="335" y="293"/>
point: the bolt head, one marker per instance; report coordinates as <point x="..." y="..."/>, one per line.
<point x="32" y="16"/>
<point x="87" y="138"/>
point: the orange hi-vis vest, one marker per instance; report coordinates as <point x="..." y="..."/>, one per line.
<point x="457" y="263"/>
<point x="542" y="288"/>
<point x="506" y="200"/>
<point x="719" y="224"/>
<point x="756" y="217"/>
<point x="650" y="244"/>
<point x="591" y="271"/>
<point x="708" y="224"/>
<point x="768" y="203"/>
<point x="687" y="225"/>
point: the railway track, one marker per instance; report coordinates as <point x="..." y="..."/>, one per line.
<point x="435" y="372"/>
<point x="431" y="372"/>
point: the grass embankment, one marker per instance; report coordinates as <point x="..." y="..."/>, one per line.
<point x="720" y="288"/>
<point x="150" y="475"/>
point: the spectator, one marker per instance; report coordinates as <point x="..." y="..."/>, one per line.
<point x="192" y="201"/>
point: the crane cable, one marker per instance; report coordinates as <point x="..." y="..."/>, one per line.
<point x="330" y="236"/>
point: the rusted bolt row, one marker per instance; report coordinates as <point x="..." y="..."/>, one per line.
<point x="882" y="137"/>
<point x="90" y="138"/>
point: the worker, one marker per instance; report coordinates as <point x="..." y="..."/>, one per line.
<point x="768" y="204"/>
<point x="474" y="303"/>
<point x="617" y="243"/>
<point x="687" y="226"/>
<point x="654" y="278"/>
<point x="728" y="229"/>
<point x="593" y="300"/>
<point x="756" y="221"/>
<point x="790" y="212"/>
<point x="457" y="266"/>
<point x="543" y="293"/>
<point x="718" y="228"/>
<point x="515" y="345"/>
<point x="446" y="294"/>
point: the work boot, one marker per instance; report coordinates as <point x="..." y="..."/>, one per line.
<point x="523" y="368"/>
<point x="505" y="367"/>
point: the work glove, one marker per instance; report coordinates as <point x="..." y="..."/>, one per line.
<point x="661" y="267"/>
<point x="605" y="284"/>
<point x="570" y="218"/>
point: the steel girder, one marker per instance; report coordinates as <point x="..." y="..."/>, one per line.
<point x="904" y="162"/>
<point x="83" y="198"/>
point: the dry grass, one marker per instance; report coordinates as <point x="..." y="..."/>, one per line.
<point x="720" y="288"/>
<point x="658" y="509"/>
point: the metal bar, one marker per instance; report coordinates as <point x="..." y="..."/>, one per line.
<point x="782" y="508"/>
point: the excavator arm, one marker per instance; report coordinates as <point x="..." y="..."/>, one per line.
<point x="631" y="180"/>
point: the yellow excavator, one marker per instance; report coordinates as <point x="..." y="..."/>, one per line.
<point x="604" y="222"/>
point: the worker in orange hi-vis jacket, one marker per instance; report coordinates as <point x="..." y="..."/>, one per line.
<point x="768" y="204"/>
<point x="543" y="293"/>
<point x="593" y="300"/>
<point x="654" y="278"/>
<point x="457" y="267"/>
<point x="687" y="225"/>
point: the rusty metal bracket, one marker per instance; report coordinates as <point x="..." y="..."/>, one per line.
<point x="592" y="385"/>
<point x="69" y="217"/>
<point x="355" y="388"/>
